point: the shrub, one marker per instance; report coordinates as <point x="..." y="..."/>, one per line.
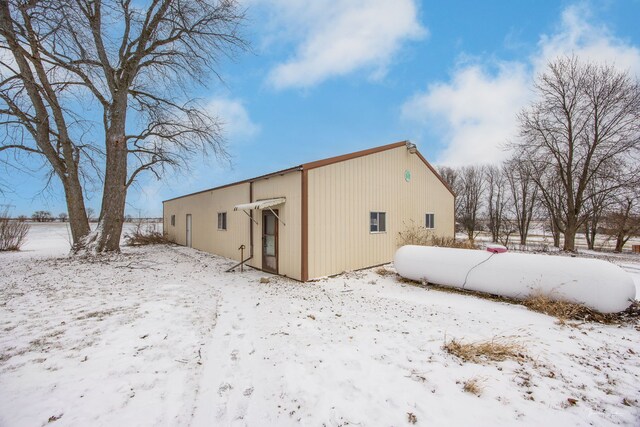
<point x="12" y="232"/>
<point x="144" y="234"/>
<point x="413" y="234"/>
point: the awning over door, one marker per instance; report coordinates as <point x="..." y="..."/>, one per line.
<point x="260" y="205"/>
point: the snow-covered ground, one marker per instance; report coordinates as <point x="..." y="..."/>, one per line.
<point x="162" y="336"/>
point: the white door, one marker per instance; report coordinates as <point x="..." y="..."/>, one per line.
<point x="189" y="230"/>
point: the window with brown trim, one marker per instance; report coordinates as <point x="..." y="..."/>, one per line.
<point x="222" y="220"/>
<point x="173" y="220"/>
<point x="377" y="222"/>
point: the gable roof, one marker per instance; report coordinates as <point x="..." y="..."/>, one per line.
<point x="325" y="162"/>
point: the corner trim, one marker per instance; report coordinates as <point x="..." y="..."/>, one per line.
<point x="304" y="252"/>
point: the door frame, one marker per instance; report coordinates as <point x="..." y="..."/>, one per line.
<point x="189" y="231"/>
<point x="265" y="213"/>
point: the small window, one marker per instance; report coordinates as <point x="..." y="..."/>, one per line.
<point x="378" y="223"/>
<point x="430" y="221"/>
<point x="173" y="220"/>
<point x="222" y="220"/>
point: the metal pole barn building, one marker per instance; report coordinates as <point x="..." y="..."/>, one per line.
<point x="320" y="218"/>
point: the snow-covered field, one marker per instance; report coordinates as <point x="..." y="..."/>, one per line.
<point x="162" y="336"/>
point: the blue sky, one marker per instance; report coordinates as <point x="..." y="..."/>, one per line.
<point x="325" y="78"/>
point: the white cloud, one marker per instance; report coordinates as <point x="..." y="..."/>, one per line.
<point x="237" y="125"/>
<point x="335" y="38"/>
<point x="578" y="35"/>
<point x="475" y="111"/>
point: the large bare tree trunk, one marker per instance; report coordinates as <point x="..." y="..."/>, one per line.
<point x="114" y="197"/>
<point x="569" y="240"/>
<point x="106" y="237"/>
<point x="78" y="220"/>
<point x="555" y="232"/>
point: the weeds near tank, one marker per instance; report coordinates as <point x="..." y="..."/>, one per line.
<point x="564" y="310"/>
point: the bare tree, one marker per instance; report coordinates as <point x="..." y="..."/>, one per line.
<point x="450" y="176"/>
<point x="600" y="193"/>
<point x="497" y="201"/>
<point x="91" y="214"/>
<point x="471" y="189"/>
<point x="63" y="216"/>
<point x="623" y="222"/>
<point x="31" y="111"/>
<point x="524" y="195"/>
<point x="138" y="65"/>
<point x="585" y="122"/>
<point x="42" y="216"/>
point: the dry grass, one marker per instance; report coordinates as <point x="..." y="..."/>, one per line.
<point x="473" y="386"/>
<point x="451" y="242"/>
<point x="414" y="234"/>
<point x="563" y="310"/>
<point x="145" y="234"/>
<point x="384" y="272"/>
<point x="543" y="304"/>
<point x="494" y="350"/>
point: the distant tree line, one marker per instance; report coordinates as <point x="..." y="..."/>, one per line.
<point x="47" y="216"/>
<point x="575" y="163"/>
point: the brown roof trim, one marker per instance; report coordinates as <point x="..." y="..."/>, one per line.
<point x="245" y="181"/>
<point x="325" y="162"/>
<point x="332" y="160"/>
<point x="435" y="172"/>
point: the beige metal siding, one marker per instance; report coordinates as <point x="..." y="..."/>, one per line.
<point x="289" y="236"/>
<point x="341" y="196"/>
<point x="204" y="208"/>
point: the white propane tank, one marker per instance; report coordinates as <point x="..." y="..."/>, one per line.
<point x="595" y="283"/>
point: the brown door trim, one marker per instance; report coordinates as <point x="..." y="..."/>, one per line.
<point x="266" y="213"/>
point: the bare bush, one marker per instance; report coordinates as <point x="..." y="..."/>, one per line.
<point x="12" y="232"/>
<point x="413" y="234"/>
<point x="145" y="234"/>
